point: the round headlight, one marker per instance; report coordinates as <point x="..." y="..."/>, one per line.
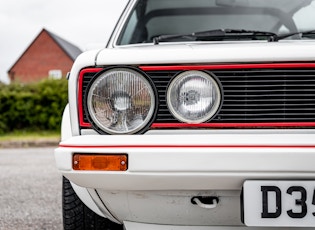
<point x="121" y="101"/>
<point x="193" y="97"/>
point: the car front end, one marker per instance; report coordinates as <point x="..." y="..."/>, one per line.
<point x="194" y="134"/>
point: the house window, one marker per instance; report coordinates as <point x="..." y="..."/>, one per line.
<point x="55" y="74"/>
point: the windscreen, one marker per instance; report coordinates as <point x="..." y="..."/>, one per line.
<point x="152" y="18"/>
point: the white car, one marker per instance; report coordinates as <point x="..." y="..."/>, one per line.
<point x="197" y="115"/>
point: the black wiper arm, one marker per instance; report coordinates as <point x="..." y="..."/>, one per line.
<point x="192" y="36"/>
<point x="213" y="34"/>
<point x="302" y="33"/>
<point x="237" y="32"/>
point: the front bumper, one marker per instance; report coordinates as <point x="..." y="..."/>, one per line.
<point x="207" y="161"/>
<point x="167" y="169"/>
<point x="139" y="226"/>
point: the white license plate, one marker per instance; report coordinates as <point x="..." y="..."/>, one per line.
<point x="279" y="203"/>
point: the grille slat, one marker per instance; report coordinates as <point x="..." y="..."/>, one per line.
<point x="250" y="95"/>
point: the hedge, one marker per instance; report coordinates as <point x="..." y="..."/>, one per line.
<point x="33" y="107"/>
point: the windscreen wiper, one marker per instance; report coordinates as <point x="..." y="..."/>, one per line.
<point x="309" y="33"/>
<point x="220" y="34"/>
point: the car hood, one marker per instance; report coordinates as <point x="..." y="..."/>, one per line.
<point x="208" y="53"/>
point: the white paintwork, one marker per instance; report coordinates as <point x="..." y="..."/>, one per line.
<point x="200" y="53"/>
<point x="66" y="124"/>
<point x="209" y="52"/>
<point x="84" y="60"/>
<point x="171" y="206"/>
<point x="161" y="180"/>
<point x="185" y="168"/>
<point x="211" y="138"/>
<point x="82" y="192"/>
<point x="141" y="226"/>
<point x="218" y="170"/>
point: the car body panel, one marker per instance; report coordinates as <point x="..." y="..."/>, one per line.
<point x="169" y="159"/>
<point x="211" y="53"/>
<point x="169" y="166"/>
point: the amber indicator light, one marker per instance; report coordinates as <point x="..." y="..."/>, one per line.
<point x="100" y="162"/>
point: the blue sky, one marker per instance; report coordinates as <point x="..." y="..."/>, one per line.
<point x="81" y="22"/>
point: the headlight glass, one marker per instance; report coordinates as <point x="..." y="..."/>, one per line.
<point x="193" y="97"/>
<point x="121" y="101"/>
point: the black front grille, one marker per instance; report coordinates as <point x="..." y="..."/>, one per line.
<point x="251" y="95"/>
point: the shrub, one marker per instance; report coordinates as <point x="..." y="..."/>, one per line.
<point x="33" y="107"/>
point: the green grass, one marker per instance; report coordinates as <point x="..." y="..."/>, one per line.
<point x="30" y="135"/>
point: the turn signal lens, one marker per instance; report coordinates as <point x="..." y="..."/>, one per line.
<point x="100" y="162"/>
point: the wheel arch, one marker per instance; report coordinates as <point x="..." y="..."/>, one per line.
<point x="82" y="192"/>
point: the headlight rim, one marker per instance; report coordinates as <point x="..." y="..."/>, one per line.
<point x="143" y="128"/>
<point x="209" y="117"/>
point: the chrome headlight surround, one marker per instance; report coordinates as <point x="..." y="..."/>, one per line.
<point x="194" y="97"/>
<point x="121" y="101"/>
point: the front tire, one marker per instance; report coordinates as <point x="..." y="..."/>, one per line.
<point x="77" y="216"/>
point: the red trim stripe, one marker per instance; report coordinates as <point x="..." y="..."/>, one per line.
<point x="207" y="67"/>
<point x="229" y="66"/>
<point x="80" y="102"/>
<point x="233" y="125"/>
<point x="186" y="146"/>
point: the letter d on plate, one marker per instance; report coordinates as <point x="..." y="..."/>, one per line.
<point x="266" y="190"/>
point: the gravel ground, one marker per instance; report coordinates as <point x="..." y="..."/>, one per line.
<point x="30" y="191"/>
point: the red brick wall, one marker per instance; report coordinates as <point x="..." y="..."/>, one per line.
<point x="42" y="55"/>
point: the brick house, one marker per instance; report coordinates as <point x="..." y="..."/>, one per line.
<point x="47" y="56"/>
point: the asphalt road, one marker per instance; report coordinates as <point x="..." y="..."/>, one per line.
<point x="30" y="190"/>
